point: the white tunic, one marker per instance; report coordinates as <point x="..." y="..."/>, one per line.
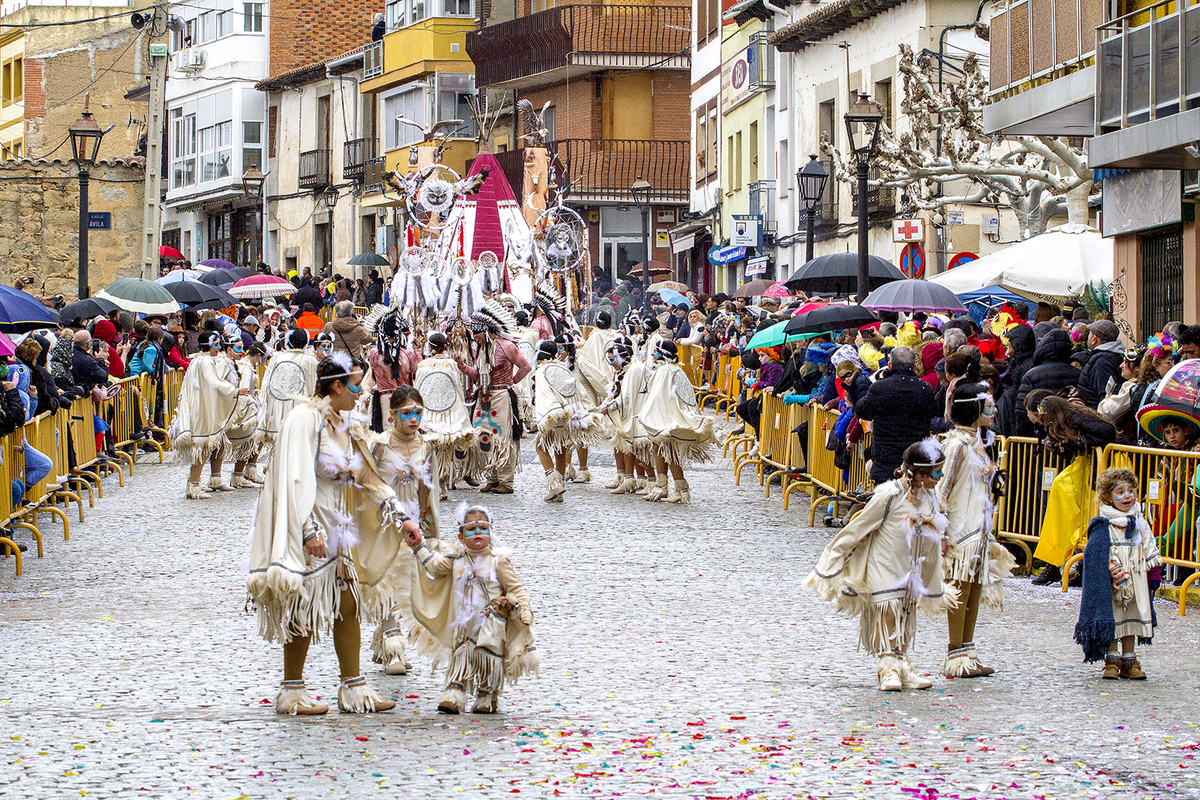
<point x="672" y="419"/>
<point x="207" y="401"/>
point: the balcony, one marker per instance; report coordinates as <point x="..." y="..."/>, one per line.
<point x="581" y="38"/>
<point x="881" y="201"/>
<point x="762" y="204"/>
<point x="374" y="173"/>
<point x="602" y="170"/>
<point x="1035" y="41"/>
<point x="314" y="169"/>
<point x="372" y="60"/>
<point x="762" y="63"/>
<point x="356" y="153"/>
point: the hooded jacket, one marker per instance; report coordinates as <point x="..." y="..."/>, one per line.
<point x="1102" y="366"/>
<point x="1020" y="338"/>
<point x="349" y="335"/>
<point x="1051" y="370"/>
<point x="901" y="405"/>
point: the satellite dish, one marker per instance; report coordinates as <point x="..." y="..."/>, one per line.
<point x="138" y="20"/>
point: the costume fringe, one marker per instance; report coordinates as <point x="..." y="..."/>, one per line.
<point x="387" y="643"/>
<point x="1001" y="563"/>
<point x="292" y="606"/>
<point x="621" y="441"/>
<point x="355" y="697"/>
<point x="192" y="450"/>
<point x="289" y="699"/>
<point x="965" y="563"/>
<point x="244" y="447"/>
<point x="564" y="431"/>
<point x="958" y="664"/>
<point x="681" y="446"/>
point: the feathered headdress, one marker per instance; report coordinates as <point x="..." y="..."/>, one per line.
<point x="493" y="318"/>
<point x="928" y="453"/>
<point x="547" y="298"/>
<point x="1159" y="347"/>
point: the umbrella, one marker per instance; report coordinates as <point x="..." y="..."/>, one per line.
<point x="87" y="309"/>
<point x="7" y="346"/>
<point x="673" y="285"/>
<point x="21" y="312"/>
<point x="259" y="286"/>
<point x="769" y="337"/>
<point x="170" y="252"/>
<point x="369" y="260"/>
<point x="673" y="298"/>
<point x="838" y="273"/>
<point x="804" y="308"/>
<point x="1178" y="400"/>
<point x="139" y="296"/>
<point x="754" y="288"/>
<point x="241" y="272"/>
<point x="830" y="318"/>
<point x="218" y="263"/>
<point x="194" y="293"/>
<point x="979" y="301"/>
<point x="913" y="295"/>
<point x="777" y="289"/>
<point x="180" y="275"/>
<point x="656" y="268"/>
<point x="1075" y="254"/>
<point x="219" y="277"/>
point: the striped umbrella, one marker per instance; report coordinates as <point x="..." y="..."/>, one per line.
<point x="259" y="286"/>
<point x="139" y="296"/>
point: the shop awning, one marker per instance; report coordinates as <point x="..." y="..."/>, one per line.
<point x="381" y="201"/>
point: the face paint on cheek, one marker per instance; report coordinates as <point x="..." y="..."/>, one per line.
<point x="354" y="388"/>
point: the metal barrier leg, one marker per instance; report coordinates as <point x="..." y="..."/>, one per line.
<point x="79" y="480"/>
<point x="793" y="483"/>
<point x="1028" y="564"/>
<point x="1066" y="570"/>
<point x="129" y="460"/>
<point x="67" y="496"/>
<point x="62" y="515"/>
<point x="737" y="470"/>
<point x="1183" y="590"/>
<point x="37" y="535"/>
<point x="12" y="548"/>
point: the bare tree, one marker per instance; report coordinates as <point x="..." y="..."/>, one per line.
<point x="1037" y="176"/>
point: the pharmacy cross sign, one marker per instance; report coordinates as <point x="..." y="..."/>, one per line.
<point x="908" y="230"/>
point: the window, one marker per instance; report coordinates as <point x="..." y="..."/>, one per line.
<point x="12" y="150"/>
<point x="549" y="120"/>
<point x="251" y="145"/>
<point x="826" y="125"/>
<point x="252" y="16"/>
<point x="224" y="23"/>
<point x="408" y="12"/>
<point x="216" y="151"/>
<point x="412" y="106"/>
<point x="272" y="124"/>
<point x="206" y="27"/>
<point x="708" y="20"/>
<point x="183" y="149"/>
<point x="737" y="161"/>
<point x="458" y="8"/>
<point x="883" y="98"/>
<point x="701" y="146"/>
<point x="12" y="82"/>
<point x="395" y="14"/>
<point x="418" y="10"/>
<point x="754" y="173"/>
<point x="457" y="105"/>
<point x="183" y="38"/>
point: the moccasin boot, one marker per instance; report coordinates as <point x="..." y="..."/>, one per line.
<point x="582" y="475"/>
<point x="909" y="675"/>
<point x="355" y="697"/>
<point x="658" y="491"/>
<point x="980" y="670"/>
<point x="195" y="491"/>
<point x="1131" y="670"/>
<point x="889" y="675"/>
<point x="681" y="495"/>
<point x="486" y="703"/>
<point x="616" y="482"/>
<point x="452" y="700"/>
<point x="1112" y="668"/>
<point x="293" y="699"/>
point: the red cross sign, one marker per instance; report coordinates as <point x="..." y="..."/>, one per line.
<point x="908" y="230"/>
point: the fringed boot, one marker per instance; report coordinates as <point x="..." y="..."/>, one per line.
<point x="909" y="675"/>
<point x="1112" y="666"/>
<point x="888" y="672"/>
<point x="486" y="702"/>
<point x="391" y="652"/>
<point x="254" y="474"/>
<point x="239" y="481"/>
<point x="958" y="664"/>
<point x="293" y="699"/>
<point x="582" y="475"/>
<point x="556" y="487"/>
<point x="453" y="700"/>
<point x="217" y="483"/>
<point x="641" y="486"/>
<point x="979" y="670"/>
<point x="569" y="475"/>
<point x="1131" y="670"/>
<point x="616" y="482"/>
<point x="355" y="697"/>
<point x="658" y="491"/>
<point x="681" y="495"/>
<point x="195" y="491"/>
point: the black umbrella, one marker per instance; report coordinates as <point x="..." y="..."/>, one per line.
<point x="220" y="277"/>
<point x="242" y="272"/>
<point x="914" y="296"/>
<point x="197" y="293"/>
<point x="838" y="273"/>
<point x="830" y="318"/>
<point x="87" y="309"/>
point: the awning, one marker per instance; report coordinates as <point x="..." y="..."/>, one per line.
<point x="381" y="201"/>
<point x="681" y="243"/>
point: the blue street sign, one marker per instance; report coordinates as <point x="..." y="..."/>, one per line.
<point x="99" y="220"/>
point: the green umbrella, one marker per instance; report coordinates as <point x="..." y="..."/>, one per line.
<point x="139" y="296"/>
<point x="769" y="337"/>
<point x="369" y="260"/>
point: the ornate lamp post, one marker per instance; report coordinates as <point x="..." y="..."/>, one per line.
<point x="85" y="146"/>
<point x="641" y="190"/>
<point x="811" y="180"/>
<point x="252" y="187"/>
<point x="862" y="126"/>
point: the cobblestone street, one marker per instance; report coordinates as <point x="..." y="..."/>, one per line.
<point x="680" y="656"/>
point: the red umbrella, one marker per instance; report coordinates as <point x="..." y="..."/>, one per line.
<point x="656" y="268"/>
<point x="777" y="289"/>
<point x="259" y="286"/>
<point x="807" y="307"/>
<point x="169" y="252"/>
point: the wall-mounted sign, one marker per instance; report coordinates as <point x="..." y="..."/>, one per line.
<point x="756" y="266"/>
<point x="100" y="220"/>
<point x="725" y="255"/>
<point x="745" y="231"/>
<point x="954" y="218"/>
<point x="908" y="230"/>
<point x="912" y="260"/>
<point x="960" y="259"/>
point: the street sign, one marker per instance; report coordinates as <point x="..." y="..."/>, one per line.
<point x="908" y="230"/>
<point x="756" y="266"/>
<point x="725" y="255"/>
<point x="745" y="231"/>
<point x="960" y="259"/>
<point x="912" y="260"/>
<point x="99" y="220"/>
<point x="954" y="218"/>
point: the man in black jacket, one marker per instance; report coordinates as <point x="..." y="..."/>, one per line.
<point x="900" y="405"/>
<point x="308" y="294"/>
<point x="1019" y="360"/>
<point x="1104" y="364"/>
<point x="1051" y="370"/>
<point x="85" y="370"/>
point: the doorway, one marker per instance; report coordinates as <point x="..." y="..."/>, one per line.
<point x="620" y="256"/>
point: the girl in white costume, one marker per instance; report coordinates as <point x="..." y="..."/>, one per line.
<point x="244" y="435"/>
<point x="975" y="563"/>
<point x="447" y="424"/>
<point x="626" y="394"/>
<point x="291" y="377"/>
<point x="470" y="599"/>
<point x="593" y="376"/>
<point x="326" y="533"/>
<point x="561" y="422"/>
<point x="407" y="463"/>
<point x="207" y="402"/>
<point x="887" y="563"/>
<point x="677" y="428"/>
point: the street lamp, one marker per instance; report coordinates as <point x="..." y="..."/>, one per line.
<point x="85" y="146"/>
<point x="641" y="190"/>
<point x="811" y="181"/>
<point x="252" y="187"/>
<point x="862" y="126"/>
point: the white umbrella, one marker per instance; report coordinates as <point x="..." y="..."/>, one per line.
<point x="139" y="296"/>
<point x="179" y="275"/>
<point x="1054" y="267"/>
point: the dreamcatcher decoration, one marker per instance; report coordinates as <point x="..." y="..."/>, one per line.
<point x="461" y="295"/>
<point x="431" y="195"/>
<point x="415" y="286"/>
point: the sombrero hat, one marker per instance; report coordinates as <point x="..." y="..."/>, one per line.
<point x="1153" y="417"/>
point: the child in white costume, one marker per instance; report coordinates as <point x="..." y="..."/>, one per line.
<point x="563" y="425"/>
<point x="631" y="446"/>
<point x="886" y="563"/>
<point x="975" y="563"/>
<point x="678" y="428"/>
<point x="290" y="377"/>
<point x="470" y="599"/>
<point x="207" y="402"/>
<point x="244" y="435"/>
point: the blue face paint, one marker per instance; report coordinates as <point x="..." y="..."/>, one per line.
<point x="353" y="388"/>
<point x="239" y="349"/>
<point x="405" y="416"/>
<point x="936" y="474"/>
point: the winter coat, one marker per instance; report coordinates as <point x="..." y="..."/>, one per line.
<point x="1051" y="370"/>
<point x="308" y="294"/>
<point x="900" y="406"/>
<point x="1103" y="365"/>
<point x="349" y="336"/>
<point x="87" y="371"/>
<point x="1020" y="362"/>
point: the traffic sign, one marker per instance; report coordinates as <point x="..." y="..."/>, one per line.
<point x="912" y="260"/>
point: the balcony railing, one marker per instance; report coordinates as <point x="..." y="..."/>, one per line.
<point x="314" y="169"/>
<point x="356" y="153"/>
<point x="1037" y="40"/>
<point x="762" y="203"/>
<point x="599" y="170"/>
<point x="373" y="60"/>
<point x="762" y="62"/>
<point x="590" y="35"/>
<point x="1144" y="74"/>
<point x="374" y="171"/>
<point x="881" y="201"/>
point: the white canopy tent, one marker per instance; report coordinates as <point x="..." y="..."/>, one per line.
<point x="1053" y="267"/>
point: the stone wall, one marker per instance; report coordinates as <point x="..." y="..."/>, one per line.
<point x="39" y="224"/>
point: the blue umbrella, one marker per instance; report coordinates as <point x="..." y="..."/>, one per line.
<point x="980" y="300"/>
<point x="22" y="313"/>
<point x="180" y="275"/>
<point x="673" y="298"/>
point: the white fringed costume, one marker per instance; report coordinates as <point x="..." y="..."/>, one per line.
<point x="207" y="402"/>
<point x="446" y="423"/>
<point x="628" y="435"/>
<point x="482" y="645"/>
<point x="672" y="417"/>
<point x="244" y="434"/>
<point x="562" y="422"/>
<point x="593" y="373"/>
<point x="965" y="490"/>
<point x="885" y="565"/>
<point x="290" y="377"/>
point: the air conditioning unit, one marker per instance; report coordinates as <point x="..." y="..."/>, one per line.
<point x="192" y="60"/>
